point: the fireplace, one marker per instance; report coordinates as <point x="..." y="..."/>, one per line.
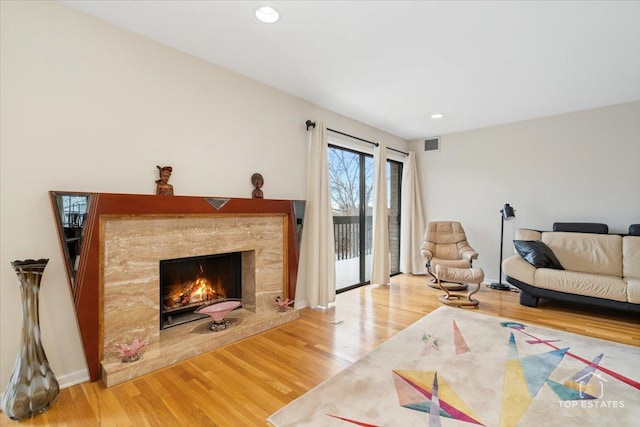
<point x="187" y="284"/>
<point x="129" y="235"/>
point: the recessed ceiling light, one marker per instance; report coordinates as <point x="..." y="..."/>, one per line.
<point x="267" y="14"/>
<point x="437" y="116"/>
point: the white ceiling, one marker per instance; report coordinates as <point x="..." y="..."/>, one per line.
<point x="391" y="64"/>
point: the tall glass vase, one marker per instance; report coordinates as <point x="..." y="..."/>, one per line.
<point x="32" y="387"/>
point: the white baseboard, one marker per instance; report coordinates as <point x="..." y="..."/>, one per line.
<point x="73" y="378"/>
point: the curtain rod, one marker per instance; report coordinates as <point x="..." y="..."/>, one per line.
<point x="311" y="124"/>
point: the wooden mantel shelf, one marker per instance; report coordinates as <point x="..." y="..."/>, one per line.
<point x="86" y="289"/>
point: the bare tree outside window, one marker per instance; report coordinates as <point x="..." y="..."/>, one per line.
<point x="344" y="178"/>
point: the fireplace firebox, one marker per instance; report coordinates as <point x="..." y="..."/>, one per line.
<point x="187" y="284"/>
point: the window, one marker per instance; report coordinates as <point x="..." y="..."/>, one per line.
<point x="351" y="180"/>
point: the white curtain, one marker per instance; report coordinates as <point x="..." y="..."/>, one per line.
<point x="380" y="262"/>
<point x="316" y="286"/>
<point x="412" y="223"/>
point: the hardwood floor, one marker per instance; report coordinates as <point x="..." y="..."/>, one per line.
<point x="243" y="383"/>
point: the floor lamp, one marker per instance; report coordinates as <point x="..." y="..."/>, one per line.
<point x="507" y="213"/>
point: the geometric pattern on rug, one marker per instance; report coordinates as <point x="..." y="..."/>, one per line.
<point x="587" y="384"/>
<point x="434" y="411"/>
<point x="523" y="378"/>
<point x="458" y="339"/>
<point x="521" y="328"/>
<point x="431" y="343"/>
<point x="417" y="389"/>
<point x="347" y="420"/>
<point x="500" y="373"/>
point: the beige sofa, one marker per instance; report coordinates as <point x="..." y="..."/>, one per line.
<point x="599" y="269"/>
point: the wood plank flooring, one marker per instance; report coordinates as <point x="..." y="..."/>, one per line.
<point x="243" y="383"/>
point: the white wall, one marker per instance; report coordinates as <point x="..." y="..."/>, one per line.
<point x="87" y="106"/>
<point x="582" y="167"/>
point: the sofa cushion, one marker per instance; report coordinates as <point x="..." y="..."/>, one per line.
<point x="587" y="253"/>
<point x="633" y="290"/>
<point x="631" y="256"/>
<point x="592" y="285"/>
<point x="527" y="234"/>
<point x="537" y="254"/>
<point x="519" y="269"/>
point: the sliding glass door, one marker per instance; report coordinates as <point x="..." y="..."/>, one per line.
<point x="351" y="180"/>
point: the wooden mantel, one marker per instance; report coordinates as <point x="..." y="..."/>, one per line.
<point x="86" y="289"/>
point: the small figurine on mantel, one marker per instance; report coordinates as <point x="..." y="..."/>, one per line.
<point x="163" y="188"/>
<point x="258" y="181"/>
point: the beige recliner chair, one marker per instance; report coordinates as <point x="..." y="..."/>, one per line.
<point x="446" y="244"/>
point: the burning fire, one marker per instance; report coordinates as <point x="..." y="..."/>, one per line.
<point x="198" y="291"/>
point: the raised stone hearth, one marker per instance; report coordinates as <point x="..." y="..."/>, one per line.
<point x="191" y="339"/>
<point x="132" y="250"/>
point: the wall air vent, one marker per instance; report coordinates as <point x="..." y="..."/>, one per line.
<point x="432" y="144"/>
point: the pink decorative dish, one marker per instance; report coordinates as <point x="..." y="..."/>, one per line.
<point x="218" y="311"/>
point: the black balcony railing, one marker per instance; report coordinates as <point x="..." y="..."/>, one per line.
<point x="346" y="232"/>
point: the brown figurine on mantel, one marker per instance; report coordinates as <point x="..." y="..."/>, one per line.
<point x="163" y="188"/>
<point x="258" y="181"/>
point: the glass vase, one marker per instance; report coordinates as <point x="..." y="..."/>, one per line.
<point x="33" y="387"/>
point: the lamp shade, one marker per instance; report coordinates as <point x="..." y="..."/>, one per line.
<point x="508" y="212"/>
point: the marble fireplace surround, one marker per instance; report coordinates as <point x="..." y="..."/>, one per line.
<point x="132" y="250"/>
<point x="116" y="291"/>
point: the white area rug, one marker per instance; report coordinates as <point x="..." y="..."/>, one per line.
<point x="457" y="367"/>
